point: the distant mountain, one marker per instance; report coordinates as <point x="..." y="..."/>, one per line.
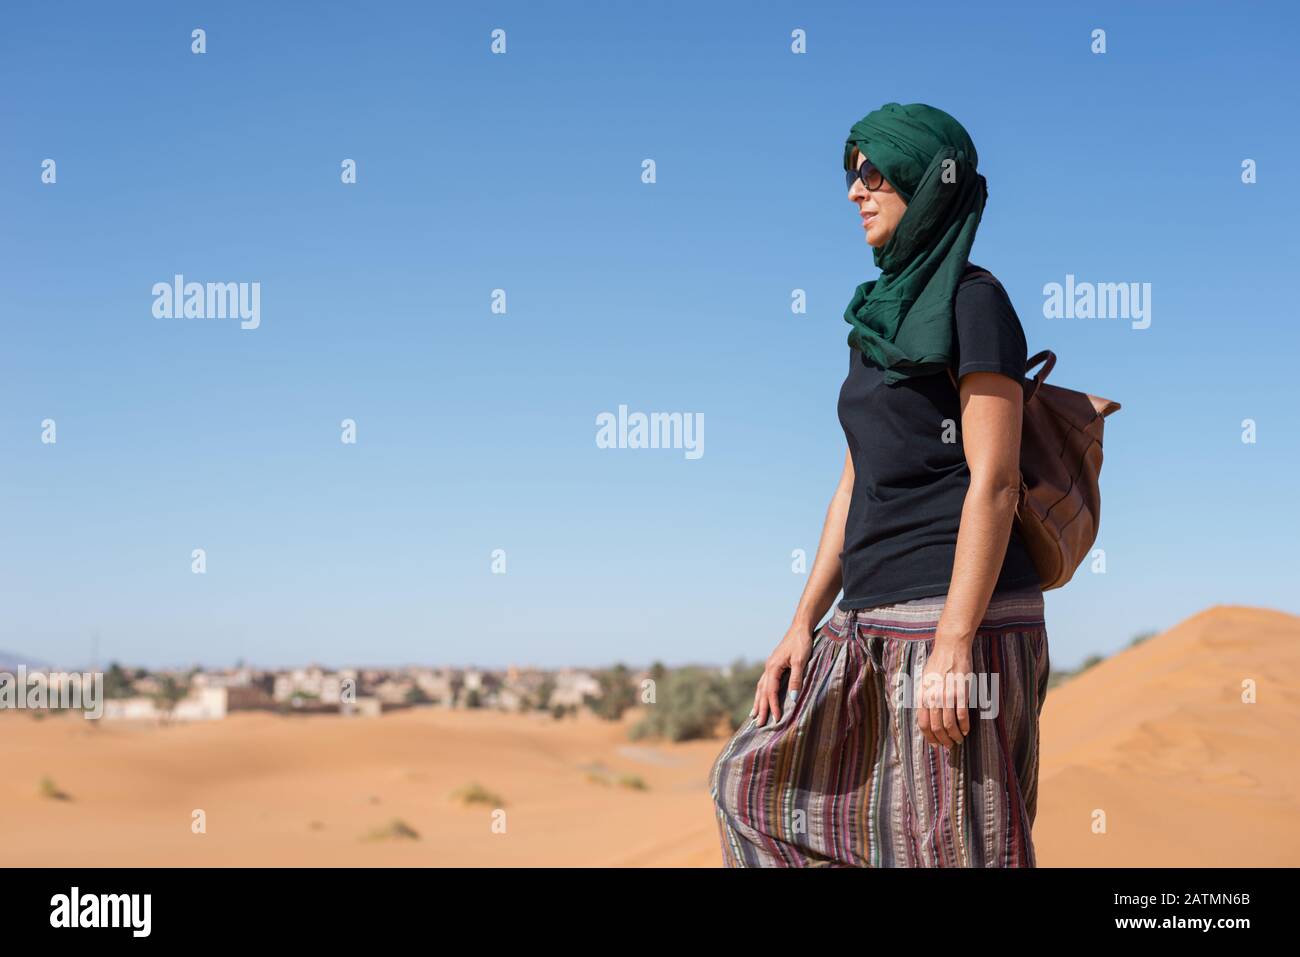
<point x="10" y="660"/>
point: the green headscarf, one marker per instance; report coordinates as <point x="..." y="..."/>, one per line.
<point x="903" y="321"/>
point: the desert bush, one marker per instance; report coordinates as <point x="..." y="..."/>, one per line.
<point x="617" y="693"/>
<point x="475" y="793"/>
<point x="396" y="829"/>
<point x="690" y="703"/>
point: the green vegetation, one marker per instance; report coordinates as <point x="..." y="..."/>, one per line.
<point x="739" y="690"/>
<point x="117" y="683"/>
<point x="600" y="773"/>
<point x="617" y="693"/>
<point x="544" y="692"/>
<point x="51" y="790"/>
<point x="475" y="793"/>
<point x="692" y="702"/>
<point x="169" y="694"/>
<point x="396" y="829"/>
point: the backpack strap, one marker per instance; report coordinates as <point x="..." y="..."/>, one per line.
<point x="1048" y="358"/>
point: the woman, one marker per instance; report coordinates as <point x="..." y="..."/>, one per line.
<point x="903" y="732"/>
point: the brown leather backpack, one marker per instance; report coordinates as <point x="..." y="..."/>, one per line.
<point x="1060" y="468"/>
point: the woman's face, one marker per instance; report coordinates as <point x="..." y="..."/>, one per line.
<point x="881" y="209"/>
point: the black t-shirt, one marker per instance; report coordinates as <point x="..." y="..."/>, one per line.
<point x="909" y="485"/>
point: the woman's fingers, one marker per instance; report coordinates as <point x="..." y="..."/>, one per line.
<point x="963" y="712"/>
<point x="796" y="679"/>
<point x="923" y="725"/>
<point x="955" y="720"/>
<point x="925" y="710"/>
<point x="951" y="736"/>
<point x="930" y="720"/>
<point x="939" y="708"/>
<point x="936" y="727"/>
<point x="768" y="686"/>
<point x="773" y="688"/>
<point x="943" y="716"/>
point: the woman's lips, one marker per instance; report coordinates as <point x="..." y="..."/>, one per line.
<point x="866" y="220"/>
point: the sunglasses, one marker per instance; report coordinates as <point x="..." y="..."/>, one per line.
<point x="868" y="175"/>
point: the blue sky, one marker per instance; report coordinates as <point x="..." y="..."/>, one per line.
<point x="522" y="172"/>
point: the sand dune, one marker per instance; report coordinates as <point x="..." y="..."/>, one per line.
<point x="1157" y="738"/>
<point x="309" y="790"/>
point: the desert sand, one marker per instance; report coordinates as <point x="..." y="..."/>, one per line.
<point x="1156" y="738"/>
<point x="1159" y="740"/>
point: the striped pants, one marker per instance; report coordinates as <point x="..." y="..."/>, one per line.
<point x="844" y="777"/>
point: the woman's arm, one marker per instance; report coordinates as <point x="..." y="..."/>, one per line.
<point x="824" y="581"/>
<point x="991" y="410"/>
<point x="823" y="585"/>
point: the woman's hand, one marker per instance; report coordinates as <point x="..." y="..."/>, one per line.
<point x="942" y="714"/>
<point x="792" y="654"/>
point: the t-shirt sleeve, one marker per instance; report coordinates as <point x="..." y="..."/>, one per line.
<point x="989" y="335"/>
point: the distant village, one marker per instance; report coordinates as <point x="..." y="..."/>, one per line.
<point x="206" y="695"/>
<point x="679" y="703"/>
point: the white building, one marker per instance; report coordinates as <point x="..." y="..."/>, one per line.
<point x="131" y="709"/>
<point x="571" y="686"/>
<point x="313" y="682"/>
<point x="201" y="704"/>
